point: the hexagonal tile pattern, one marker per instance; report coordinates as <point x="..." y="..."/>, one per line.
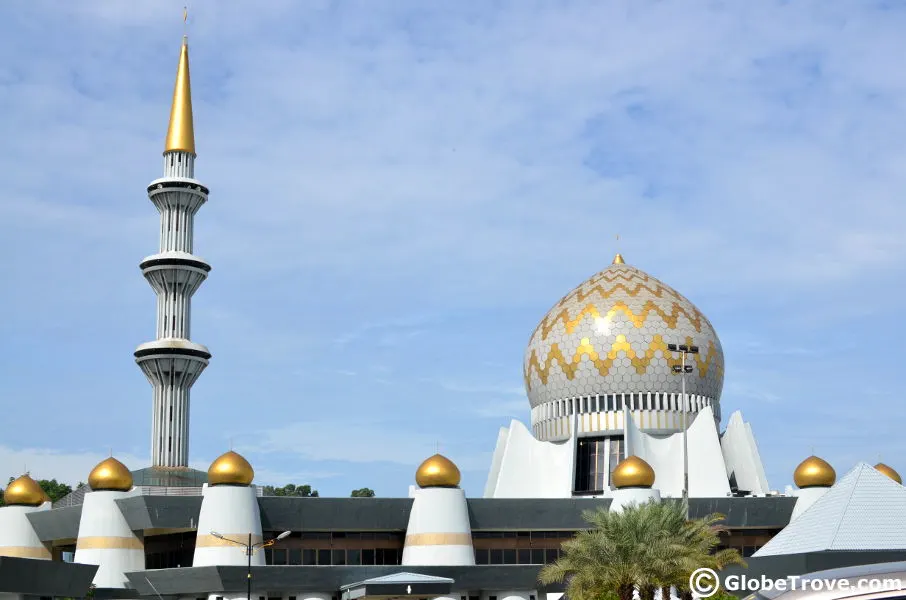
<point x="610" y="336"/>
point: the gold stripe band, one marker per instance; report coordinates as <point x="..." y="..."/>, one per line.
<point x="439" y="539"/>
<point x="109" y="543"/>
<point x="210" y="541"/>
<point x="25" y="552"/>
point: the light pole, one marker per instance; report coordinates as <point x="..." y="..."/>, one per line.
<point x="250" y="550"/>
<point x="682" y="369"/>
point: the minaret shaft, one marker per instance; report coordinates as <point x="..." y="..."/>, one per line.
<point x="172" y="363"/>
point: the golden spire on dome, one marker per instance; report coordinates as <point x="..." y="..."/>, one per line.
<point x="438" y="471"/>
<point x="24" y="491"/>
<point x="230" y="468"/>
<point x="633" y="472"/>
<point x="889" y="471"/>
<point x="618" y="259"/>
<point x="814" y="472"/>
<point x="110" y="475"/>
<point x="181" y="133"/>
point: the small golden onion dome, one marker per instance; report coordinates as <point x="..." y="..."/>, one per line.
<point x="110" y="475"/>
<point x="230" y="469"/>
<point x="890" y="472"/>
<point x="24" y="491"/>
<point x="618" y="259"/>
<point x="438" y="471"/>
<point x="633" y="472"/>
<point x="814" y="472"/>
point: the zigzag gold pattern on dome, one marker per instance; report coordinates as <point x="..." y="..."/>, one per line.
<point x="548" y="324"/>
<point x="582" y="293"/>
<point x="604" y="363"/>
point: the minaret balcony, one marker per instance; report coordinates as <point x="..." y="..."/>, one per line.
<point x="175" y="272"/>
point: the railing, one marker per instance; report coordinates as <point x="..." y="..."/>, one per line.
<point x="77" y="496"/>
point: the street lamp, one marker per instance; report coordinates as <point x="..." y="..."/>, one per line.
<point x="250" y="550"/>
<point x="682" y="369"/>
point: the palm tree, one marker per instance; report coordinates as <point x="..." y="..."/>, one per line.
<point x="618" y="553"/>
<point x="645" y="547"/>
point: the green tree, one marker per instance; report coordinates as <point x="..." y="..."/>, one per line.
<point x="54" y="489"/>
<point x="642" y="548"/>
<point x="302" y="491"/>
<point x="362" y="493"/>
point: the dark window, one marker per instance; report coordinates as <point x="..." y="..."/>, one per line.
<point x="279" y="557"/>
<point x="509" y="557"/>
<point x="323" y="557"/>
<point x="482" y="557"/>
<point x="525" y="556"/>
<point x="550" y="555"/>
<point x="537" y="556"/>
<point x="295" y="556"/>
<point x="353" y="557"/>
<point x="591" y="472"/>
<point x="367" y="557"/>
<point x="339" y="557"/>
<point x="309" y="557"/>
<point x="496" y="556"/>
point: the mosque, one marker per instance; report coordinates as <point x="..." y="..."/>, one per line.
<point x="623" y="377"/>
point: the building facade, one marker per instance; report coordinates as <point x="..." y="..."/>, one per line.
<point x="623" y="377"/>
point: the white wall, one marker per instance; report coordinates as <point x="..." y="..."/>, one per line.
<point x="741" y="456"/>
<point x="530" y="468"/>
<point x="707" y="471"/>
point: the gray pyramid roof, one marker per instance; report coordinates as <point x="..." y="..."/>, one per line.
<point x="864" y="510"/>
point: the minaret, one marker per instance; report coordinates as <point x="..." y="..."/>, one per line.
<point x="172" y="362"/>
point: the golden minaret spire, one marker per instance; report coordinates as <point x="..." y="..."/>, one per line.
<point x="181" y="133"/>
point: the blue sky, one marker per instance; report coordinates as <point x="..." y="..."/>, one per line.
<point x="401" y="190"/>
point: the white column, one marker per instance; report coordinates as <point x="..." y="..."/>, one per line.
<point x="106" y="540"/>
<point x="439" y="531"/>
<point x="233" y="512"/>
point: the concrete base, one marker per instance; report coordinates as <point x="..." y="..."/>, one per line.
<point x="626" y="496"/>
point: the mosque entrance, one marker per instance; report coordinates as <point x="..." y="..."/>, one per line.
<point x="404" y="586"/>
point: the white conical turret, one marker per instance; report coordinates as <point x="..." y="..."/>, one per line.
<point x="439" y="531"/>
<point x="230" y="517"/>
<point x="17" y="536"/>
<point x="814" y="476"/>
<point x="105" y="538"/>
<point x="634" y="479"/>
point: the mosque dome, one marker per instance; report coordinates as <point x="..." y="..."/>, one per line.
<point x="633" y="472"/>
<point x="889" y="471"/>
<point x="438" y="471"/>
<point x="610" y="336"/>
<point x="110" y="475"/>
<point x="230" y="468"/>
<point x="814" y="472"/>
<point x="24" y="491"/>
